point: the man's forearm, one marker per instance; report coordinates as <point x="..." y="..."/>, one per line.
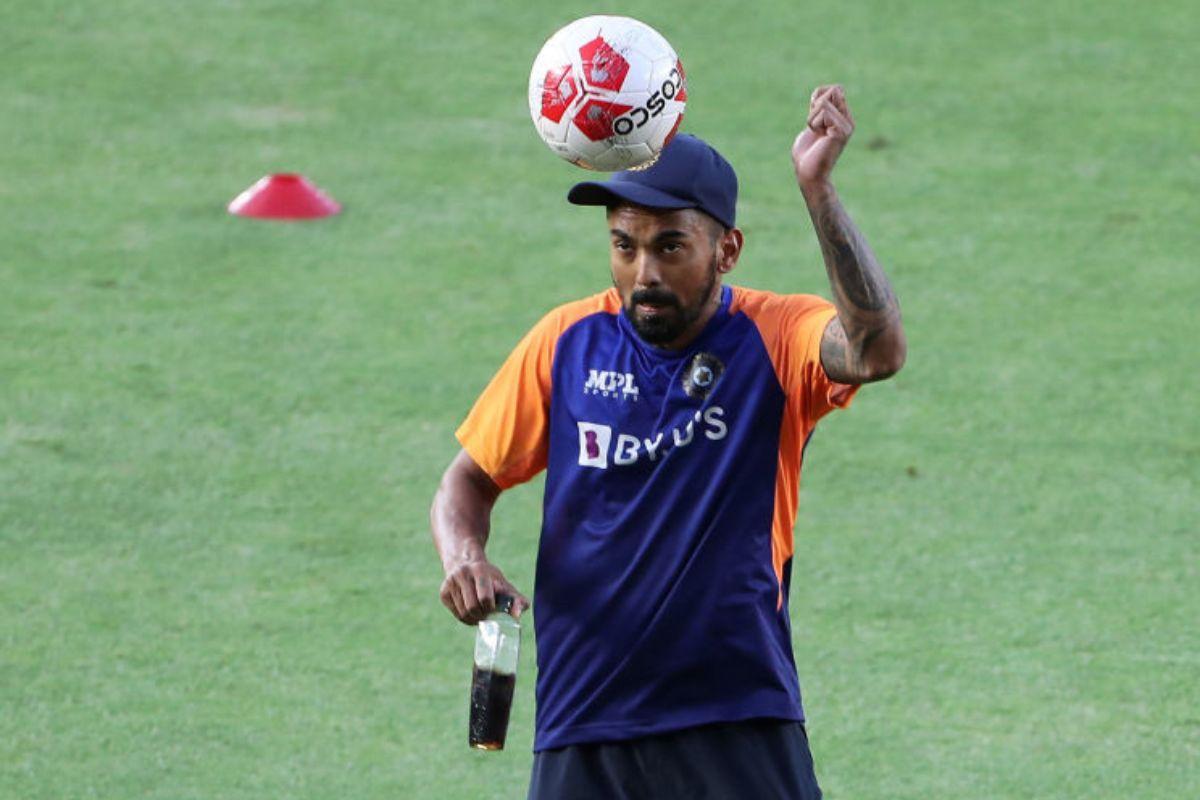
<point x="459" y="533"/>
<point x="869" y="343"/>
<point x="460" y="518"/>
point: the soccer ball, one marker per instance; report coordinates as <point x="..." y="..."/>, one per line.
<point x="607" y="93"/>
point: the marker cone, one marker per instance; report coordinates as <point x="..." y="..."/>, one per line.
<point x="284" y="196"/>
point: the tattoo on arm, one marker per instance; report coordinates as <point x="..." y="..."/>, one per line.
<point x="834" y="350"/>
<point x="865" y="342"/>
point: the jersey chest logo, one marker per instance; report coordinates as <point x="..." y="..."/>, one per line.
<point x="701" y="375"/>
<point x="600" y="445"/>
<point x="609" y="383"/>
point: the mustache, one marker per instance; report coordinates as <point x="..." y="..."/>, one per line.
<point x="657" y="297"/>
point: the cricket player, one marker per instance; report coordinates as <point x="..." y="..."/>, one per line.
<point x="670" y="413"/>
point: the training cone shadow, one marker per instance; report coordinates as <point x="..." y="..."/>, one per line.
<point x="284" y="196"/>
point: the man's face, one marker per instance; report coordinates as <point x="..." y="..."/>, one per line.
<point x="666" y="267"/>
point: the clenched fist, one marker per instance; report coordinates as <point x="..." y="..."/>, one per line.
<point x="829" y="127"/>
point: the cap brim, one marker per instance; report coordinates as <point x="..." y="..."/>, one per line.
<point x="611" y="193"/>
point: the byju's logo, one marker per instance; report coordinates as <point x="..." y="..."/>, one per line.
<point x="611" y="384"/>
<point x="593" y="444"/>
<point x="594" y="440"/>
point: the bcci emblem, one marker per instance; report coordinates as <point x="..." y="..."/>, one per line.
<point x="700" y="375"/>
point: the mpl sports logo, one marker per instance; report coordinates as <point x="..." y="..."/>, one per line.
<point x="598" y="446"/>
<point x="607" y="383"/>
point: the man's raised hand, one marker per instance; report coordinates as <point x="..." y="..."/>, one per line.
<point x="829" y="127"/>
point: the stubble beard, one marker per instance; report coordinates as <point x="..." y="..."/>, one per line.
<point x="661" y="329"/>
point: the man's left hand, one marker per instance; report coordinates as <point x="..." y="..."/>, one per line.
<point x="818" y="146"/>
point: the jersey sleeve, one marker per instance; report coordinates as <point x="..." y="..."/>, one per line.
<point x="821" y="393"/>
<point x="792" y="327"/>
<point x="507" y="430"/>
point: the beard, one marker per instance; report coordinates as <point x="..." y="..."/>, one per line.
<point x="672" y="319"/>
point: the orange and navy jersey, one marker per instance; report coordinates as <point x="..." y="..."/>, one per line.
<point x="672" y="482"/>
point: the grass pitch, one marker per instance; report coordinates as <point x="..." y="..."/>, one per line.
<point x="218" y="437"/>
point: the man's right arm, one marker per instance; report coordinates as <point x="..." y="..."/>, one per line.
<point x="460" y="519"/>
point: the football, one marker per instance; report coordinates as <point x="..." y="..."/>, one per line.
<point x="607" y="93"/>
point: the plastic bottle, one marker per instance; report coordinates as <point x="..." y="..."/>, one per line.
<point x="497" y="644"/>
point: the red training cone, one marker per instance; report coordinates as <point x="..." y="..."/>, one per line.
<point x="284" y="196"/>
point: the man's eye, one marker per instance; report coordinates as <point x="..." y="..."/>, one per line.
<point x="621" y="245"/>
<point x="672" y="247"/>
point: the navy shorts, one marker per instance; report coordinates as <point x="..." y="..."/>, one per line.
<point x="764" y="759"/>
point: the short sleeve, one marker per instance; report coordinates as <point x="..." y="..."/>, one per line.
<point x="506" y="432"/>
<point x="792" y="327"/>
<point x="822" y="394"/>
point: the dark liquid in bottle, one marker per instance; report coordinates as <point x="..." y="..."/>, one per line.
<point x="491" y="700"/>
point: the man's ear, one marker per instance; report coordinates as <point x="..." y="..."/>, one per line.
<point x="730" y="248"/>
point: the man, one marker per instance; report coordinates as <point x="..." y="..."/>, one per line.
<point x="671" y="414"/>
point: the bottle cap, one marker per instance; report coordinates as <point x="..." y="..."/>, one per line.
<point x="504" y="603"/>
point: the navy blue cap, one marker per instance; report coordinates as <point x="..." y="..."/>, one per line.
<point x="689" y="173"/>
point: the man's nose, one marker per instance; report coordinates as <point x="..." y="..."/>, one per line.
<point x="648" y="274"/>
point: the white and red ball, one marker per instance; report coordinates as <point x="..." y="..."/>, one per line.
<point x="607" y="93"/>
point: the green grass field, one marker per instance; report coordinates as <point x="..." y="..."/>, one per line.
<point x="219" y="437"/>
